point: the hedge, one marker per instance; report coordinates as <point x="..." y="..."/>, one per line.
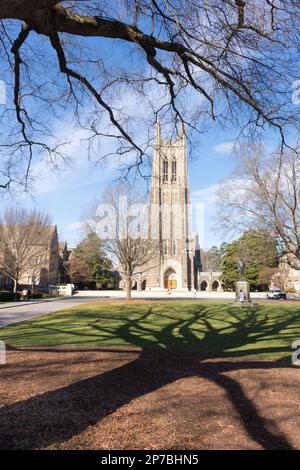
<point x="8" y="296"/>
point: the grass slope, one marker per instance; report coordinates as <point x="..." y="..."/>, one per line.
<point x="212" y="328"/>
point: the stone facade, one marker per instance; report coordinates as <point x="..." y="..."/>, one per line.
<point x="210" y="281"/>
<point x="287" y="278"/>
<point x="65" y="254"/>
<point x="292" y="280"/>
<point x="44" y="270"/>
<point x="176" y="263"/>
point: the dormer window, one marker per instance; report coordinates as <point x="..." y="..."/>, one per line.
<point x="35" y="261"/>
<point x="165" y="171"/>
<point x="174" y="171"/>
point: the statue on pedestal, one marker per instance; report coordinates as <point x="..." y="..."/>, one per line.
<point x="241" y="268"/>
<point x="242" y="292"/>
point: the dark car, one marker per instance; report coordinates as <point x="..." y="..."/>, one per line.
<point x="277" y="294"/>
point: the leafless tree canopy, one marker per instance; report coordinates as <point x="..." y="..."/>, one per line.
<point x="24" y="241"/>
<point x="223" y="60"/>
<point x="211" y="259"/>
<point x="264" y="192"/>
<point x="128" y="240"/>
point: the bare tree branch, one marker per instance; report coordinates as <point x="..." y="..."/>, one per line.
<point x="232" y="61"/>
<point x="264" y="193"/>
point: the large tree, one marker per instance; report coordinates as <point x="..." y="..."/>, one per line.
<point x="229" y="267"/>
<point x="264" y="193"/>
<point x="79" y="271"/>
<point x="24" y="242"/>
<point x="91" y="251"/>
<point x="211" y="259"/>
<point x="276" y="275"/>
<point x="254" y="251"/>
<point x="231" y="61"/>
<point x="120" y="219"/>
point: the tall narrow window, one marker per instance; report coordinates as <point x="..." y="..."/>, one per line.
<point x="174" y="170"/>
<point x="174" y="248"/>
<point x="165" y="171"/>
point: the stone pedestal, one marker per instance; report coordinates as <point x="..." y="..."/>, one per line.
<point x="245" y="288"/>
<point x="69" y="289"/>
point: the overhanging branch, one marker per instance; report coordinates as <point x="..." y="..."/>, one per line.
<point x="64" y="68"/>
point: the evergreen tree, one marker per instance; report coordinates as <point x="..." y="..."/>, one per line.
<point x="90" y="251"/>
<point x="257" y="250"/>
<point x="229" y="265"/>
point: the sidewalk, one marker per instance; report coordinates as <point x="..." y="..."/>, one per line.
<point x="11" y="313"/>
<point x="22" y="303"/>
<point x="16" y="312"/>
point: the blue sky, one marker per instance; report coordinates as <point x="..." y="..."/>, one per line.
<point x="67" y="194"/>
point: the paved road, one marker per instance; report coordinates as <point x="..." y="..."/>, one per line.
<point x="15" y="313"/>
<point x="11" y="313"/>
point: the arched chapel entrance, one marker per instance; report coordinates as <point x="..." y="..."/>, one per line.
<point x="215" y="285"/>
<point x="170" y="280"/>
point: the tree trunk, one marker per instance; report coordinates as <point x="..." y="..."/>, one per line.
<point x="15" y="289"/>
<point x="128" y="286"/>
<point x="293" y="261"/>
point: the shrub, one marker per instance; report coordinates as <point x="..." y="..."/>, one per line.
<point x="291" y="290"/>
<point x="8" y="296"/>
<point x="37" y="295"/>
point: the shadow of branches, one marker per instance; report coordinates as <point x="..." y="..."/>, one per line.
<point x="33" y="424"/>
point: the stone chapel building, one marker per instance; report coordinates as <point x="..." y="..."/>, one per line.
<point x="177" y="262"/>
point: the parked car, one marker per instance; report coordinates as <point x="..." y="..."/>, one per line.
<point x="277" y="294"/>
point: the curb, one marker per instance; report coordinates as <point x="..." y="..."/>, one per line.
<point x="33" y="302"/>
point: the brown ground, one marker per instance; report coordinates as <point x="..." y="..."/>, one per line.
<point x="121" y="398"/>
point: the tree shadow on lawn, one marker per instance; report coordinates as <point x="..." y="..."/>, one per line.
<point x="58" y="415"/>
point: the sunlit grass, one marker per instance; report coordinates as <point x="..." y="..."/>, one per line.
<point x="209" y="327"/>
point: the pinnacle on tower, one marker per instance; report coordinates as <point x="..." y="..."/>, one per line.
<point x="197" y="243"/>
<point x="181" y="132"/>
<point x="157" y="133"/>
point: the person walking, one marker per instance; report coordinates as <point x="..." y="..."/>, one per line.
<point x="24" y="294"/>
<point x="242" y="297"/>
<point x="28" y="294"/>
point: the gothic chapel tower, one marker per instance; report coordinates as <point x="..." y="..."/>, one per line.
<point x="170" y="220"/>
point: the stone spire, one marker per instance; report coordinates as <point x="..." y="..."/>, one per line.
<point x="181" y="131"/>
<point x="156" y="152"/>
<point x="157" y="133"/>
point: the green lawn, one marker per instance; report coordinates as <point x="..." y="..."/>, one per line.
<point x="212" y="328"/>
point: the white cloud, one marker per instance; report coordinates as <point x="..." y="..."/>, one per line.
<point x="206" y="196"/>
<point x="224" y="148"/>
<point x="75" y="226"/>
<point x="203" y="211"/>
<point x="75" y="170"/>
<point x="80" y="166"/>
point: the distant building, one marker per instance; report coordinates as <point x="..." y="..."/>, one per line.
<point x="44" y="270"/>
<point x="287" y="278"/>
<point x="210" y="281"/>
<point x="65" y="254"/>
<point x="5" y="282"/>
<point x="292" y="280"/>
<point x="175" y="265"/>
